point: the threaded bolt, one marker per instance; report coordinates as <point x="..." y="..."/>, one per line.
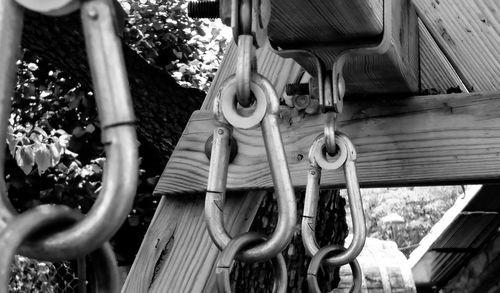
<point x="203" y="9"/>
<point x="297" y="89"/>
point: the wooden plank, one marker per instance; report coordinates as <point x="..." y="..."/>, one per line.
<point x="436" y="139"/>
<point x="177" y="252"/>
<point x="436" y="73"/>
<point x="468" y="32"/>
<point x="330" y="30"/>
<point x="294" y="23"/>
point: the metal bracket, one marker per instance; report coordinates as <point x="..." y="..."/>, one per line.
<point x="392" y="68"/>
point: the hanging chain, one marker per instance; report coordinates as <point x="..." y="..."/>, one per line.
<point x="67" y="235"/>
<point x="345" y="157"/>
<point x="244" y="89"/>
<point x="265" y="114"/>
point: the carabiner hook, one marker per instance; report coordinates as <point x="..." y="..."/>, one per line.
<point x="266" y="114"/>
<point x="346" y="157"/>
<point x="116" y="114"/>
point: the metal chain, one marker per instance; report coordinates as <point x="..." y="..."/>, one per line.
<point x="312" y="281"/>
<point x="248" y="88"/>
<point x="238" y="243"/>
<point x="346" y="158"/>
<point x="265" y="114"/>
<point x="80" y="235"/>
<point x="249" y="23"/>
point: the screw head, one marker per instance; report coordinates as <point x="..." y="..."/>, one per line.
<point x="93" y="14"/>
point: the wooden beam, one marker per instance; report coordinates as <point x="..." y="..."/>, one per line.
<point x="177" y="254"/>
<point x="468" y="32"/>
<point x="437" y="75"/>
<point x="338" y="31"/>
<point x="437" y="139"/>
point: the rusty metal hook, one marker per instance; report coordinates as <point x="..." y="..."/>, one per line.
<point x="118" y="130"/>
<point x="346" y="157"/>
<point x="265" y="114"/>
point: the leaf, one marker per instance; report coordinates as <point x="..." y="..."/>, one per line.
<point x="55" y="154"/>
<point x="43" y="158"/>
<point x="25" y="158"/>
<point x="11" y="140"/>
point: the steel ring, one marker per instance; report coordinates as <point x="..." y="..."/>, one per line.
<point x="318" y="258"/>
<point x="32" y="223"/>
<point x="228" y="255"/>
<point x="318" y="153"/>
<point x="229" y="106"/>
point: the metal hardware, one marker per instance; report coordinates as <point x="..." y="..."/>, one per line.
<point x="312" y="282"/>
<point x="229" y="106"/>
<point x="52" y="7"/>
<point x="47" y="217"/>
<point x="204" y="9"/>
<point x="224" y="263"/>
<point x="233" y="146"/>
<point x="118" y="134"/>
<point x="11" y="23"/>
<point x="245" y="65"/>
<point x="329" y="133"/>
<point x="216" y="186"/>
<point x="319" y="74"/>
<point x="297" y="89"/>
<point x="347" y="158"/>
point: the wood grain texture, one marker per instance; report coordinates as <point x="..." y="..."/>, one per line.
<point x="332" y="29"/>
<point x="177" y="254"/>
<point x="304" y="22"/>
<point x="436" y="73"/>
<point x="420" y="140"/>
<point x="468" y="32"/>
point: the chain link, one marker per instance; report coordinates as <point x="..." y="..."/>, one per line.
<point x="223" y="267"/>
<point x="216" y="186"/>
<point x="45" y="218"/>
<point x="312" y="270"/>
<point x="346" y="158"/>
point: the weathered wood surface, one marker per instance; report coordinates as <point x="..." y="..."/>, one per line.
<point x="468" y="32"/>
<point x="435" y="139"/>
<point x="296" y="23"/>
<point x="333" y="27"/>
<point x="177" y="254"/>
<point x="436" y="72"/>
